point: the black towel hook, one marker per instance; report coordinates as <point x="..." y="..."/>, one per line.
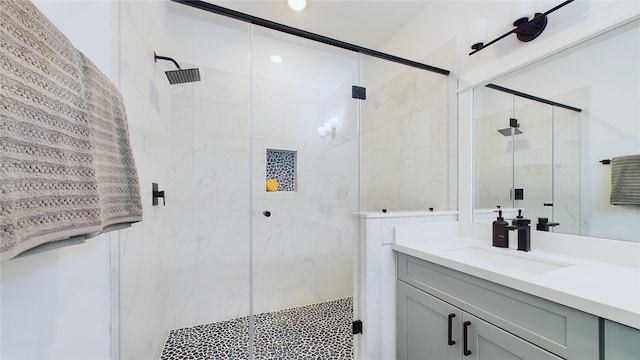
<point x="157" y="194"/>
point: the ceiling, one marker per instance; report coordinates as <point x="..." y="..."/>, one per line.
<point x="365" y="23"/>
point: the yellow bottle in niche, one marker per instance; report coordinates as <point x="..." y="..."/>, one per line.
<point x="272" y="185"/>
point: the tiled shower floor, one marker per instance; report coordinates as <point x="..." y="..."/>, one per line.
<point x="317" y="331"/>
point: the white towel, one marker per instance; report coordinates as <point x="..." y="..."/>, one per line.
<point x="625" y="180"/>
<point x="66" y="165"/>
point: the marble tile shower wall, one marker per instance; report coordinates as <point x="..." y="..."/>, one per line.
<point x="406" y="146"/>
<point x="210" y="172"/>
<point x="211" y="213"/>
<point x="303" y="252"/>
<point x="144" y="248"/>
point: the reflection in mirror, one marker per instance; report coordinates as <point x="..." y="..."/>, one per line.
<point x="542" y="156"/>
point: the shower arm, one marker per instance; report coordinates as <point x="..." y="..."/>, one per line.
<point x="156" y="57"/>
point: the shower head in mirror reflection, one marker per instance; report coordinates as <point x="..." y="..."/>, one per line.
<point x="179" y="76"/>
<point x="512" y="129"/>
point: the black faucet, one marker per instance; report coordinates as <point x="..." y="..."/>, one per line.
<point x="544" y="224"/>
<point x="524" y="231"/>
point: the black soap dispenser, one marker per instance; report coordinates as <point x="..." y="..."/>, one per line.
<point x="500" y="232"/>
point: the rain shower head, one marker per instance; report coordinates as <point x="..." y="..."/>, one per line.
<point x="513" y="124"/>
<point x="182" y="76"/>
<point x="507" y="131"/>
<point x="179" y="76"/>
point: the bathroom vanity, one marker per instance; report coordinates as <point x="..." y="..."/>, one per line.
<point x="457" y="297"/>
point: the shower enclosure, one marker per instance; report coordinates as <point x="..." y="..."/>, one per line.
<point x="281" y="142"/>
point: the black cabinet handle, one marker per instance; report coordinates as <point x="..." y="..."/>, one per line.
<point x="266" y="213"/>
<point x="465" y="327"/>
<point x="449" y="334"/>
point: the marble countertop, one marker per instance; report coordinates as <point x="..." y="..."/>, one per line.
<point x="600" y="288"/>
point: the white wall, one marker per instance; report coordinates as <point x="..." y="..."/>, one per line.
<point x="58" y="304"/>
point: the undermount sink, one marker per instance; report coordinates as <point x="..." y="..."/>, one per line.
<point x="507" y="258"/>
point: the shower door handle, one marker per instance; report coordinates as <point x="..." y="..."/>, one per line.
<point x="266" y="213"/>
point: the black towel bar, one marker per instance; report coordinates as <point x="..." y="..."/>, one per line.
<point x="605" y="161"/>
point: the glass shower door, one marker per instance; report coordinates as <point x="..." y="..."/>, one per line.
<point x="304" y="192"/>
<point x="533" y="160"/>
<point x="494" y="150"/>
<point x="569" y="205"/>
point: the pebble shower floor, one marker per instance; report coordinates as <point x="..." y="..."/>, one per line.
<point x="316" y="331"/>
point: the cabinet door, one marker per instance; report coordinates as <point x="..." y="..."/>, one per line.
<point x="425" y="325"/>
<point x="487" y="342"/>
<point x="621" y="342"/>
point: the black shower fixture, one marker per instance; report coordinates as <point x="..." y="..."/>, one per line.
<point x="512" y="129"/>
<point x="179" y="76"/>
<point x="525" y="29"/>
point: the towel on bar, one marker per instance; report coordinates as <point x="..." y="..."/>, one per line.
<point x="66" y="165"/>
<point x="625" y="180"/>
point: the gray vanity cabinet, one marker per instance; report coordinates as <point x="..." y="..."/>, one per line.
<point x="621" y="342"/>
<point x="500" y="322"/>
<point x="423" y="326"/>
<point x="429" y="328"/>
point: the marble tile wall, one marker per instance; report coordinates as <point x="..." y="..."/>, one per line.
<point x="144" y="249"/>
<point x="374" y="265"/>
<point x="210" y="216"/>
<point x="406" y="162"/>
<point x="302" y="253"/>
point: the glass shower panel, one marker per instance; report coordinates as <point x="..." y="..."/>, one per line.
<point x="408" y="139"/>
<point x="304" y="192"/>
<point x="533" y="159"/>
<point x="210" y="171"/>
<point x="493" y="152"/>
<point x="568" y="158"/>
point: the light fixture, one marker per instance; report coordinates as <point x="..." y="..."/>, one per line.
<point x="525" y="29"/>
<point x="297" y="5"/>
<point x="276" y="59"/>
<point x="328" y="128"/>
<point x="479" y="32"/>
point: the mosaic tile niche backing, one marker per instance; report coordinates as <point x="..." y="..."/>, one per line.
<point x="281" y="166"/>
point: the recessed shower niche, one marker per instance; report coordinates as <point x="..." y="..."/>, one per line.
<point x="281" y="167"/>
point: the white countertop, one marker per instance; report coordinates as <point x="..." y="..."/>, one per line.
<point x="600" y="288"/>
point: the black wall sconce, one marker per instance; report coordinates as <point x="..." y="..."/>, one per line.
<point x="525" y="29"/>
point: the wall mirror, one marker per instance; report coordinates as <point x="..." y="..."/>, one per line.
<point x="541" y="132"/>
